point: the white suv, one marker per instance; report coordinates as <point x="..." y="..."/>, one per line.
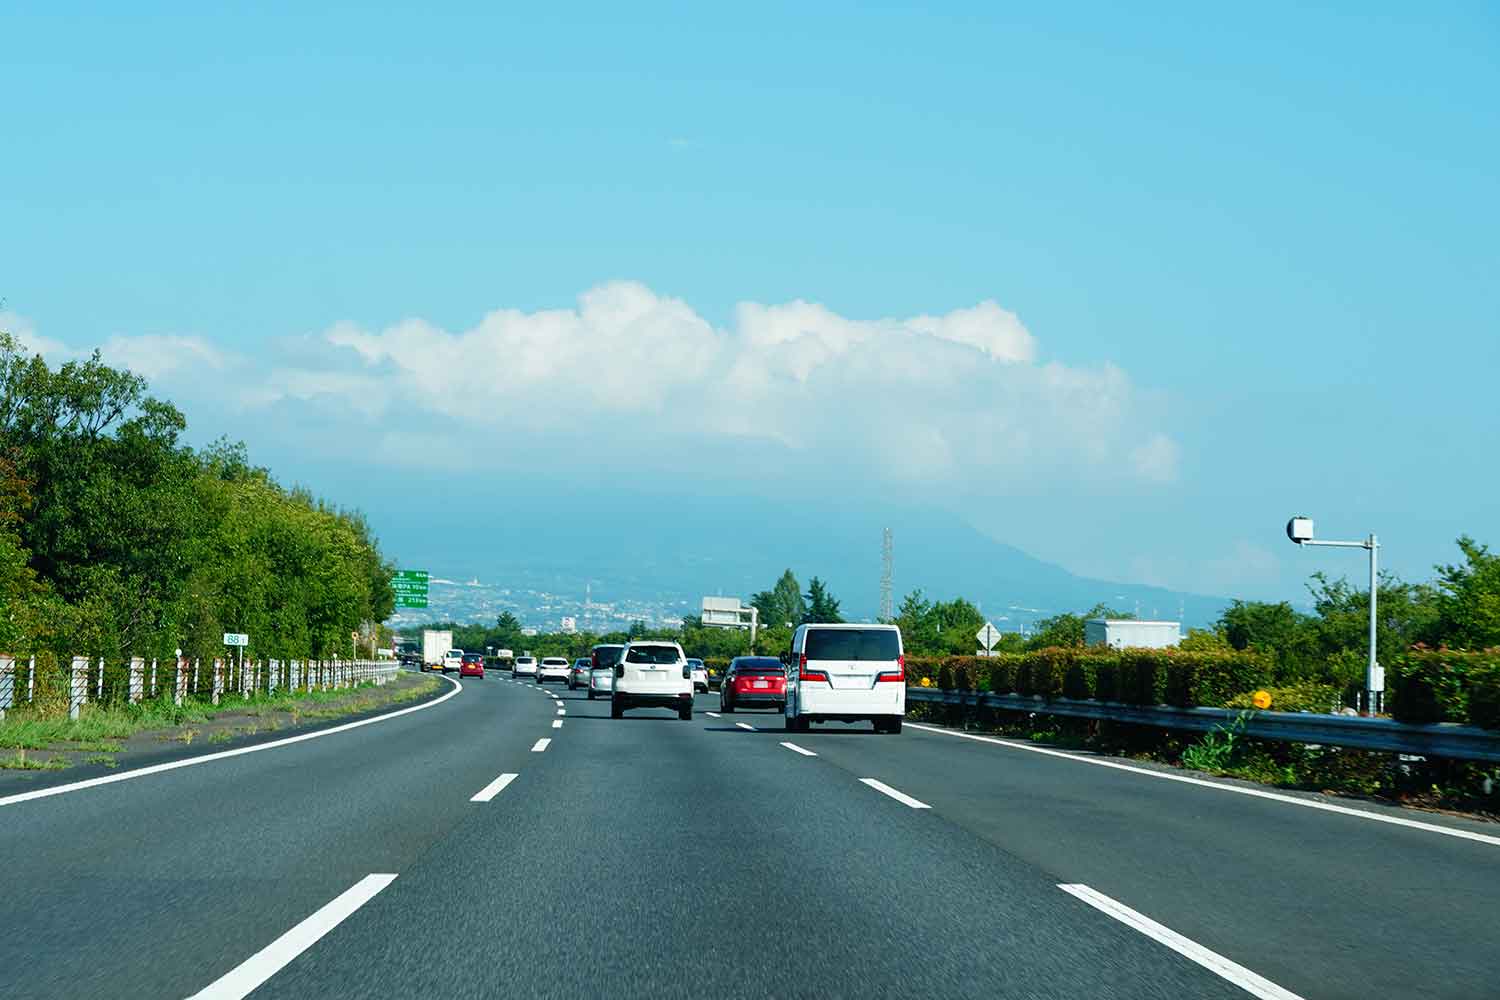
<point x="846" y="673"/>
<point x="523" y="665"/>
<point x="652" y="673"/>
<point x="553" y="668"/>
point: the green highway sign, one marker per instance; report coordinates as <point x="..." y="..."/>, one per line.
<point x="410" y="586"/>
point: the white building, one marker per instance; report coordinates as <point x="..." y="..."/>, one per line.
<point x="1128" y="633"/>
<point x="570" y="625"/>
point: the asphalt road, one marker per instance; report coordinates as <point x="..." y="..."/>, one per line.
<point x="653" y="857"/>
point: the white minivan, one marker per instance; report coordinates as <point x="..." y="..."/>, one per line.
<point x="652" y="674"/>
<point x="846" y="673"/>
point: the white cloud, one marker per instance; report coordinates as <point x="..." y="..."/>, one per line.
<point x="31" y="342"/>
<point x="159" y="355"/>
<point x="953" y="400"/>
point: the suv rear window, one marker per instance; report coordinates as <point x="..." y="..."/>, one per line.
<point x="852" y="644"/>
<point x="651" y="654"/>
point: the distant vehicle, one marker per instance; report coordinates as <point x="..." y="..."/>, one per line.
<point x="652" y="674"/>
<point x="602" y="670"/>
<point x="699" y="672"/>
<point x="753" y="682"/>
<point x="435" y="644"/>
<point x="472" y="665"/>
<point x="453" y="660"/>
<point x="579" y="675"/>
<point x="553" y="668"/>
<point x="525" y="666"/>
<point x="846" y="673"/>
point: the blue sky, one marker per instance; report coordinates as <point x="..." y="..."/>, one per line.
<point x="1239" y="264"/>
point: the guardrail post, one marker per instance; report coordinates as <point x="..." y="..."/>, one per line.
<point x="218" y="678"/>
<point x="7" y="683"/>
<point x="78" y="686"/>
<point x="137" y="679"/>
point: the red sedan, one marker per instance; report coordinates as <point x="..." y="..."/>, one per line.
<point x="472" y="666"/>
<point x="753" y="682"/>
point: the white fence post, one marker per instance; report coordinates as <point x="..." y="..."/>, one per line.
<point x="272" y="676"/>
<point x="78" y="686"/>
<point x="218" y="679"/>
<point x="153" y="677"/>
<point x="180" y="681"/>
<point x="99" y="688"/>
<point x="196" y="663"/>
<point x="7" y="683"/>
<point x="137" y="678"/>
<point x="31" y="680"/>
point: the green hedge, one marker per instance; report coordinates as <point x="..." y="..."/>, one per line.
<point x="1135" y="676"/>
<point x="1446" y="685"/>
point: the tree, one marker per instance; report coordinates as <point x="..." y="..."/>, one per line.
<point x="821" y="605"/>
<point x="1067" y="629"/>
<point x="1467" y="601"/>
<point x="507" y="634"/>
<point x="782" y="604"/>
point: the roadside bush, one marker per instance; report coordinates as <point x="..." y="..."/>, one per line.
<point x="1431" y="685"/>
<point x="1209" y="678"/>
<point x="1049" y="668"/>
<point x="1142" y="677"/>
<point x="1003" y="673"/>
<point x="918" y="667"/>
<point x="1307" y="697"/>
<point x="1484" y="692"/>
<point x="945" y="677"/>
<point x="1107" y="677"/>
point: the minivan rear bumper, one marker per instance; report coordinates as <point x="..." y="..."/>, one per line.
<point x="820" y="701"/>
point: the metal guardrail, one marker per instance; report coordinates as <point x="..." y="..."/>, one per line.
<point x="1436" y="740"/>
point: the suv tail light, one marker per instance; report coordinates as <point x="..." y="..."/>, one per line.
<point x="898" y="676"/>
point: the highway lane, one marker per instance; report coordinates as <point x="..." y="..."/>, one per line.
<point x="653" y="856"/>
<point x="1327" y="905"/>
<point x="154" y="886"/>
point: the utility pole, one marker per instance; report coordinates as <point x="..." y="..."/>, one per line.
<point x="887" y="576"/>
<point x="1300" y="530"/>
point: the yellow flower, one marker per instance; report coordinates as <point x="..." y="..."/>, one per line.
<point x="1261" y="699"/>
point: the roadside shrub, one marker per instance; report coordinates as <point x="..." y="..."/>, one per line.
<point x="1306" y="697"/>
<point x="945" y="677"/>
<point x="1210" y="678"/>
<point x="1107" y="677"/>
<point x="1142" y="677"/>
<point x="918" y="667"/>
<point x="1484" y="692"/>
<point x="1049" y="667"/>
<point x="1079" y="677"/>
<point x="1003" y="674"/>
<point x="1431" y="685"/>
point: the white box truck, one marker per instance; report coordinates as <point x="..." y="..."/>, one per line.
<point x="435" y="645"/>
<point x="1128" y="633"/>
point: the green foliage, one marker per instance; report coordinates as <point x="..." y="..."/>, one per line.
<point x="1467" y="603"/>
<point x="117" y="540"/>
<point x="1068" y="629"/>
<point x="1484" y="691"/>
<point x="936" y="628"/>
<point x="783" y="604"/>
<point x="821" y="605"/>
<point x="1309" y="696"/>
<point x="1433" y="685"/>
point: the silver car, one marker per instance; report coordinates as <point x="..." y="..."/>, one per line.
<point x="602" y="675"/>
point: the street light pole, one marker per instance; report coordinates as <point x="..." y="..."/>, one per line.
<point x="1300" y="530"/>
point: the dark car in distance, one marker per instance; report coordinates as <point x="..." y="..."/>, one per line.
<point x="753" y="682"/>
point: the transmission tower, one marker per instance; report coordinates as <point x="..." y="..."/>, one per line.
<point x="887" y="565"/>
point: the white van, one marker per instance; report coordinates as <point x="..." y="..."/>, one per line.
<point x="846" y="673"/>
<point x="652" y="674"/>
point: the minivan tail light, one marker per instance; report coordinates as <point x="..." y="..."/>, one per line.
<point x="898" y="676"/>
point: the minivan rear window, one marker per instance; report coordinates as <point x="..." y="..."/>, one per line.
<point x="852" y="644"/>
<point x="651" y="654"/>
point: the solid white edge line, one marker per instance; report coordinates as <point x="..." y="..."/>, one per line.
<point x="712" y="715"/>
<point x="141" y="772"/>
<point x="244" y="978"/>
<point x="745" y="725"/>
<point x="901" y="797"/>
<point x="557" y="723"/>
<point x="494" y="788"/>
<point x="796" y="749"/>
<point x="1232" y="972"/>
<point x="1447" y="831"/>
<point x="540" y="745"/>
